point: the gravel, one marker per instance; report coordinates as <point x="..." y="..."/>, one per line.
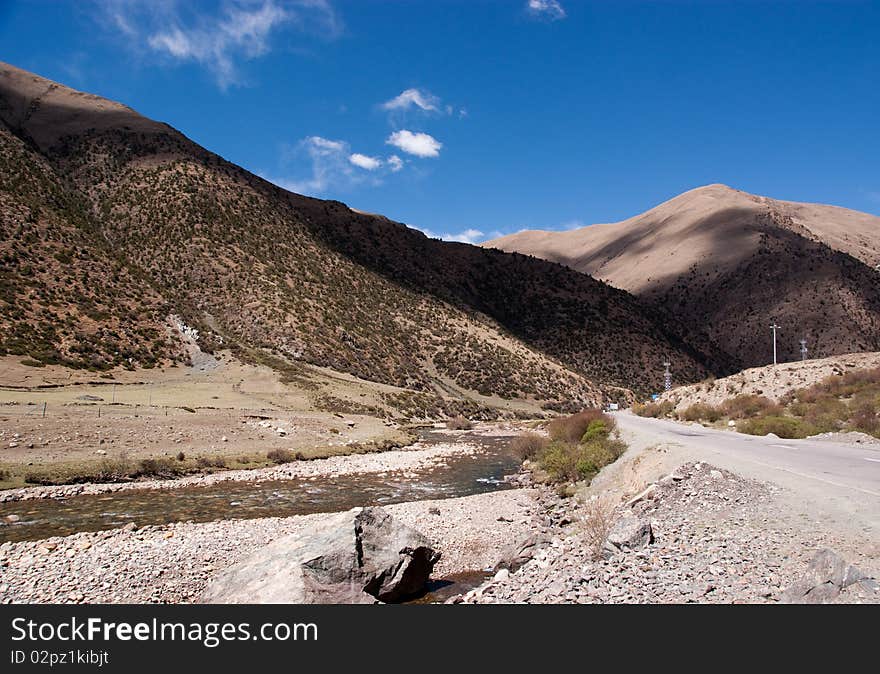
<point x="718" y="539"/>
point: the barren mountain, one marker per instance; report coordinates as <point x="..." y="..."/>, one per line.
<point x="118" y="230"/>
<point x="728" y="264"/>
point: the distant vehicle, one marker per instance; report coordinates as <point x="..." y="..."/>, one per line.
<point x="612" y="407"/>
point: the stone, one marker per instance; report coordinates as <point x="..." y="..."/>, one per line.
<point x="501" y="575"/>
<point x="631" y="533"/>
<point x="353" y="557"/>
<point x="521" y="551"/>
<point x="826" y="576"/>
<point x="12" y="519"/>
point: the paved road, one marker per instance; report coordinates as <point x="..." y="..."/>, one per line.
<point x="844" y="466"/>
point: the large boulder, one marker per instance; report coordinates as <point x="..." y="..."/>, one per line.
<point x="830" y="578"/>
<point x="354" y="557"/>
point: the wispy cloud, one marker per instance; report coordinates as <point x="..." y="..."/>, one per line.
<point x="424" y="100"/>
<point x="395" y="163"/>
<point x="418" y="144"/>
<point x="333" y="167"/>
<point x="218" y="39"/>
<point x="548" y="10"/>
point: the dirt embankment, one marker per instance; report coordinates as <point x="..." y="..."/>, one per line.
<point x="771" y="381"/>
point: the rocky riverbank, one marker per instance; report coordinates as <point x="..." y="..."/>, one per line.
<point x="413" y="457"/>
<point x="173" y="563"/>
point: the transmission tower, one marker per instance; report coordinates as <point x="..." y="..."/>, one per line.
<point x="803" y="349"/>
<point x="667" y="377"/>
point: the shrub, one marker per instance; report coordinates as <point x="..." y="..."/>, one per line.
<point x="597" y="523"/>
<point x="459" y="423"/>
<point x="181" y="456"/>
<point x="748" y="405"/>
<point x="784" y="427"/>
<point x="597" y="430"/>
<point x="280" y="456"/>
<point x="864" y="418"/>
<point x="158" y="467"/>
<point x="653" y="409"/>
<point x="572" y="428"/>
<point x="528" y="445"/>
<point x="700" y="412"/>
<point x="559" y="460"/>
<point x="211" y="462"/>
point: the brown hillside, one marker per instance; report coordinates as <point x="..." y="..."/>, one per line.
<point x="168" y="228"/>
<point x="729" y="263"/>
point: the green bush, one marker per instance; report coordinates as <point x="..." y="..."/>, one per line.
<point x="784" y="427"/>
<point x="572" y="428"/>
<point x="597" y="430"/>
<point x="700" y="412"/>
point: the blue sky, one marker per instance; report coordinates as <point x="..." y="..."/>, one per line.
<point x="473" y="118"/>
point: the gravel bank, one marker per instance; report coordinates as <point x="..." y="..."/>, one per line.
<point x="173" y="563"/>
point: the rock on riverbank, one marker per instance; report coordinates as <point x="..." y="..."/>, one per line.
<point x="174" y="563"/>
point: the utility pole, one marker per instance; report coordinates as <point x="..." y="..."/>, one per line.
<point x="774" y="328"/>
<point x="803" y="349"/>
<point x="667" y="377"/>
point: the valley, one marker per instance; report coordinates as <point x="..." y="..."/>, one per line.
<point x="197" y="366"/>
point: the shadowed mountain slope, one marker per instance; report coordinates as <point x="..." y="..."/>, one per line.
<point x="117" y="228"/>
<point x="727" y="264"/>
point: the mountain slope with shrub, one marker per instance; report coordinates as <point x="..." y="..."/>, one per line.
<point x="727" y="264"/>
<point x="127" y="223"/>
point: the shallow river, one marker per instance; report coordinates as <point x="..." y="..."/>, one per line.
<point x="462" y="476"/>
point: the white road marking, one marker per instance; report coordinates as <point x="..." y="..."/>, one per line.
<point x="870" y="459"/>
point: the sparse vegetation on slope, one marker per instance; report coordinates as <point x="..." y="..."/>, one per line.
<point x="846" y="402"/>
<point x="136" y="223"/>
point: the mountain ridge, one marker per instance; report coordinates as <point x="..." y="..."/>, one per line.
<point x="714" y="254"/>
<point x="166" y="227"/>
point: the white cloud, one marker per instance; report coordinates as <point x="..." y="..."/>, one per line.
<point x="418" y="144"/>
<point x="241" y="30"/>
<point x="413" y="97"/>
<point x="549" y="10"/>
<point x="365" y="162"/>
<point x="333" y="167"/>
<point x="467" y="236"/>
<point x="395" y="163"/>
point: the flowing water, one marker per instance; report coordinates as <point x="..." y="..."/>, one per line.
<point x="462" y="476"/>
